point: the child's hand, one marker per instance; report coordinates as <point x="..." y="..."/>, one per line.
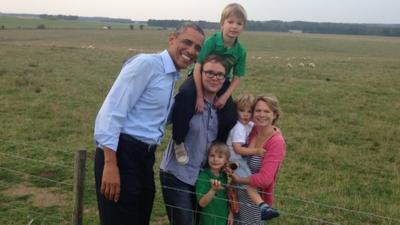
<point x="216" y="185"/>
<point x="235" y="177"/>
<point x="228" y="169"/>
<point x="230" y="218"/>
<point x="260" y="152"/>
<point x="199" y="105"/>
<point x="220" y="102"/>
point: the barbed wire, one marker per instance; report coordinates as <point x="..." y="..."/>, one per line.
<point x="19" y="209"/>
<point x="357" y="165"/>
<point x="308" y="201"/>
<point x="369" y="214"/>
<point x="25" y="145"/>
<point x="339" y="208"/>
<point x="35" y="176"/>
<point x="318" y="220"/>
<point x="35" y="160"/>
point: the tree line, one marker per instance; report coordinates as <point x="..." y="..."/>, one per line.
<point x="298" y="26"/>
<point x="58" y="17"/>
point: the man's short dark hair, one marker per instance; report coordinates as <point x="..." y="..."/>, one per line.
<point x="185" y="25"/>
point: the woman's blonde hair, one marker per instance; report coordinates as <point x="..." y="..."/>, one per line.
<point x="233" y="9"/>
<point x="273" y="104"/>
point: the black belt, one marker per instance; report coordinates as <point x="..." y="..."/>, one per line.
<point x="139" y="143"/>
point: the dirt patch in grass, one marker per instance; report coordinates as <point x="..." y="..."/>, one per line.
<point x="38" y="197"/>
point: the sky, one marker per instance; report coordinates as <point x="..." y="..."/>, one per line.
<point x="341" y="11"/>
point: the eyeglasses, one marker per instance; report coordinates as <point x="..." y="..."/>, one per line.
<point x="212" y="74"/>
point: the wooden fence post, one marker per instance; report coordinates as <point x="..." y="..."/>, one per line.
<point x="79" y="180"/>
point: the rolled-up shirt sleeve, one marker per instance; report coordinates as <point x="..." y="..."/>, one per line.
<point x="125" y="92"/>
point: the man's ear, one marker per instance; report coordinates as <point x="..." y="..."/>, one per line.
<point x="171" y="38"/>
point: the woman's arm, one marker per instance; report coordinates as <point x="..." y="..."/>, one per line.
<point x="275" y="153"/>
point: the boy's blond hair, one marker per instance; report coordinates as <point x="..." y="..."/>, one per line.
<point x="234" y="9"/>
<point x="245" y="101"/>
<point x="219" y="148"/>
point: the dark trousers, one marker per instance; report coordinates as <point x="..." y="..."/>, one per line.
<point x="135" y="163"/>
<point x="184" y="109"/>
<point x="180" y="200"/>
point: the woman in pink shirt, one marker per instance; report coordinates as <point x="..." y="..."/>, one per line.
<point x="264" y="169"/>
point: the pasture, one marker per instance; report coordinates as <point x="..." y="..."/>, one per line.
<point x="341" y="120"/>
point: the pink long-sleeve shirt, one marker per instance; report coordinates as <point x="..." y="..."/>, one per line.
<point x="266" y="177"/>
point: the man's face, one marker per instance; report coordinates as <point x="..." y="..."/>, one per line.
<point x="185" y="47"/>
<point x="211" y="77"/>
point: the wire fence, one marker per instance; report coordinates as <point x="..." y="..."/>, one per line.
<point x="31" y="188"/>
<point x="315" y="219"/>
<point x="35" y="216"/>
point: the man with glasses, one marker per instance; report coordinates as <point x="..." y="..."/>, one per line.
<point x="177" y="179"/>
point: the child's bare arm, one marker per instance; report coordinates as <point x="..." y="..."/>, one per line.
<point x="220" y="103"/>
<point x="199" y="89"/>
<point x="230" y="218"/>
<point x="239" y="149"/>
<point x="215" y="186"/>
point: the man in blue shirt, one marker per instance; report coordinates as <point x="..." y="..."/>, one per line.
<point x="130" y="124"/>
<point x="177" y="179"/>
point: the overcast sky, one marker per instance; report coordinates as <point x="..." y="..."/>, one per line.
<point x="345" y="11"/>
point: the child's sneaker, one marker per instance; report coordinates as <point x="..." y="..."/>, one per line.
<point x="267" y="212"/>
<point x="181" y="154"/>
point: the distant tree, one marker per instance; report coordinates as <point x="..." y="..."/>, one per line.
<point x="141" y="26"/>
<point x="3" y="27"/>
<point x="41" y="27"/>
<point x="131" y="27"/>
<point x="58" y="17"/>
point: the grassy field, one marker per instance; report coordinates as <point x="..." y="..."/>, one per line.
<point x="341" y="120"/>
<point x="11" y="22"/>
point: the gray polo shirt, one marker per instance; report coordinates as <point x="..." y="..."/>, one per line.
<point x="203" y="129"/>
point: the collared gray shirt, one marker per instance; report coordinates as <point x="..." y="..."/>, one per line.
<point x="203" y="129"/>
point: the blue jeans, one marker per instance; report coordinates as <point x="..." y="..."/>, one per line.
<point x="179" y="199"/>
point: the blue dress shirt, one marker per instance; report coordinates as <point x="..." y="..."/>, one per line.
<point x="139" y="101"/>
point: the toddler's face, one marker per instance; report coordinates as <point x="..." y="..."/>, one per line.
<point x="244" y="115"/>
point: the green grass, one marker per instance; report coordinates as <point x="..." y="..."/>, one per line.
<point x="340" y="119"/>
<point x="11" y="22"/>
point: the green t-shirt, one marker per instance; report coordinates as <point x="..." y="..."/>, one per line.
<point x="216" y="212"/>
<point x="235" y="56"/>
